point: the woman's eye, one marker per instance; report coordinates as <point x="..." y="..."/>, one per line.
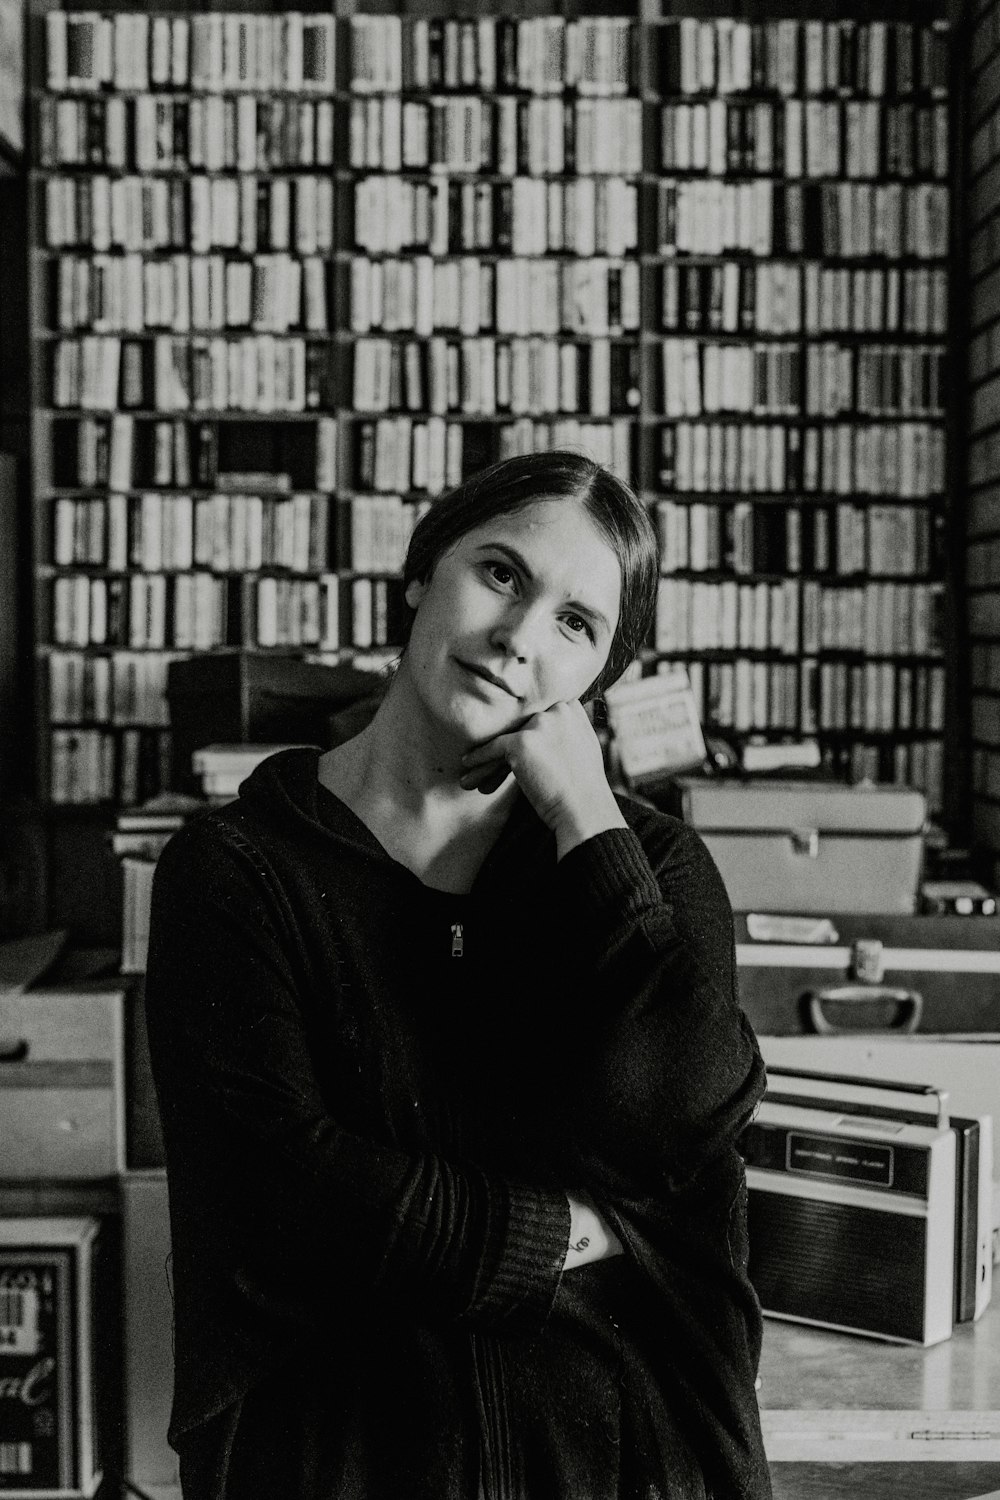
<point x="579" y="626"/>
<point x="500" y="572"/>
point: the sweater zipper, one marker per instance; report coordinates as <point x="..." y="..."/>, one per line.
<point x="457" y="940"/>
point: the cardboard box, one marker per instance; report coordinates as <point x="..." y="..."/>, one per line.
<point x="809" y="846"/>
<point x="62" y="1111"/>
<point x="48" y="1386"/>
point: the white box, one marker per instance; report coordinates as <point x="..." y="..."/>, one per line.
<point x="150" y="1463"/>
<point x="62" y="1097"/>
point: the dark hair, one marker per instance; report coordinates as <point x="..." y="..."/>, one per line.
<point x="508" y="486"/>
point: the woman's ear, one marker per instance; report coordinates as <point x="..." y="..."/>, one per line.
<point x="415" y="591"/>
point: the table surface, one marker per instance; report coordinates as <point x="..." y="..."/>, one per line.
<point x="847" y="1416"/>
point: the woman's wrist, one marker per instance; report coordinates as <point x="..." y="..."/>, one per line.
<point x="591" y="1238"/>
<point x="580" y="824"/>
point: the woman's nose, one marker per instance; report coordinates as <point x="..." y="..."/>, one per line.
<point x="512" y="633"/>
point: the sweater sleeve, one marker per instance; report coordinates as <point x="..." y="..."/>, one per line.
<point x="268" y="1189"/>
<point x="670" y="1064"/>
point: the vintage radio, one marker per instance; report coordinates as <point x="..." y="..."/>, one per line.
<point x="852" y="1220"/>
<point x="919" y="1103"/>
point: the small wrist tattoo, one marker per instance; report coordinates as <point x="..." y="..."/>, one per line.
<point x="581" y="1243"/>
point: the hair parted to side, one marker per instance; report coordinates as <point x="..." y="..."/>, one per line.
<point x="506" y="487"/>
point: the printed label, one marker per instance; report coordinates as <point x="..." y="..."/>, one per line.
<point x="832" y="1156"/>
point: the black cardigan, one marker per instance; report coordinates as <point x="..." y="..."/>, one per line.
<point x="373" y="1097"/>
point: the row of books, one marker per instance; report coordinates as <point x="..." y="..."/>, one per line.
<point x="811" y="697"/>
<point x="805" y="138"/>
<point x="905" y="459"/>
<point x="543" y="55"/>
<point x="505" y="135"/>
<point x="223" y="533"/>
<point x="489" y="376"/>
<point x="195" y="213"/>
<point x="821" y="378"/>
<point x="723" y="55"/>
<point x="539" y="54"/>
<point x="880" y="697"/>
<point x="121" y="452"/>
<point x="798" y="617"/>
<point x="230" y="52"/>
<point x="400" y="454"/>
<point x="189" y="611"/>
<point x="324" y="613"/>
<point x="522" y="216"/>
<point x="838" y="220"/>
<point x="123" y="766"/>
<point x="199" y="611"/>
<point x="517" y="295"/>
<point x="102" y="765"/>
<point x="728" y="55"/>
<point x="124" y="687"/>
<point x="276" y="292"/>
<point x="693" y="615"/>
<point x="485" y="376"/>
<point x="131" y="293"/>
<point x="803" y="296"/>
<point x="135" y="51"/>
<point x="744" y="538"/>
<point x="231" y="533"/>
<point x="875" y="618"/>
<point x="259" y="372"/>
<point x="163" y="133"/>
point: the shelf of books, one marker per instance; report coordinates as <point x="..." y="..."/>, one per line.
<point x="295" y="275"/>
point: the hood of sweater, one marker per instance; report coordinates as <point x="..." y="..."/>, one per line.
<point x="285" y="793"/>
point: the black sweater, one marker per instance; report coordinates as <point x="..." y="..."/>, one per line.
<point x="374" y="1095"/>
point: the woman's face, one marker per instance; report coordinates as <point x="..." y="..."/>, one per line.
<point x="517" y="615"/>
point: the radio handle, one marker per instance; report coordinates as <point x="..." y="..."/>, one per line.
<point x="864" y="994"/>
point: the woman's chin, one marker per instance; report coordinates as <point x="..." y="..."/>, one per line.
<point x="476" y="721"/>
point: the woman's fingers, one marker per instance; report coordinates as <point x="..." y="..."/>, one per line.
<point x="487" y="776"/>
<point x="489" y="753"/>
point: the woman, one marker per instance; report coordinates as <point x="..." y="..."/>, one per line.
<point x="451" y="1068"/>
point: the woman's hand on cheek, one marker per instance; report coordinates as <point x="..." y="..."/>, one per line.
<point x="556" y="759"/>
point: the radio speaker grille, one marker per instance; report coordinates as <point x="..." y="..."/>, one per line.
<point x="834" y="1263"/>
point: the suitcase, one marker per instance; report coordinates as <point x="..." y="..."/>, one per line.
<point x="808" y="846"/>
<point x="858" y="975"/>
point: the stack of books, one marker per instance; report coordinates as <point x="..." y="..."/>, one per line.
<point x="139" y="837"/>
<point x="223" y="768"/>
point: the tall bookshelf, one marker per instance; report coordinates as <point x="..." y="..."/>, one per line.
<point x="983" y="472"/>
<point x="347" y="258"/>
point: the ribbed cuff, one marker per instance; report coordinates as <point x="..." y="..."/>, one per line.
<point x="608" y="876"/>
<point x="526" y="1277"/>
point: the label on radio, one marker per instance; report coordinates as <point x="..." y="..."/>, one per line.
<point x="832" y="1156"/>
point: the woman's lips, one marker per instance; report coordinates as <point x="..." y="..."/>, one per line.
<point x="483" y="674"/>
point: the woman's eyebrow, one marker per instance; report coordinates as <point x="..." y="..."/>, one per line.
<point x="504" y="549"/>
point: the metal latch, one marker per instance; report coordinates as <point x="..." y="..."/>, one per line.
<point x="867" y="961"/>
<point x="805" y="841"/>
